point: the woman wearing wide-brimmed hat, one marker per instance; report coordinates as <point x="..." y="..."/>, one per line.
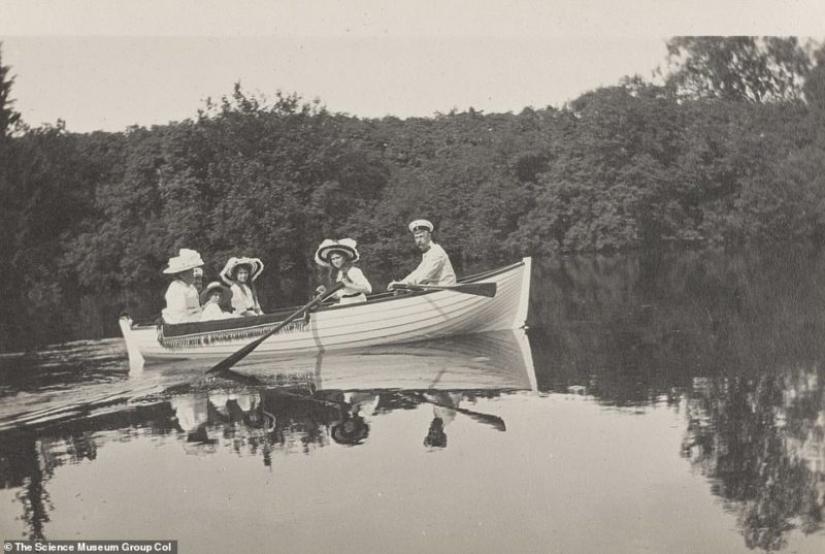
<point x="182" y="302"/>
<point x="338" y="257"/>
<point x="240" y="275"/>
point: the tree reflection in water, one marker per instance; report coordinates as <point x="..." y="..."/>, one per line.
<point x="736" y="337"/>
<point x="761" y="441"/>
<point x="29" y="458"/>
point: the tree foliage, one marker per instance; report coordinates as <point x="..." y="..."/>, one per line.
<point x="738" y="68"/>
<point x="8" y="116"/>
<point x="727" y="151"/>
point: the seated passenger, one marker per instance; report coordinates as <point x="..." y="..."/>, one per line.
<point x="240" y="275"/>
<point x="435" y="267"/>
<point x="215" y="300"/>
<point x="182" y="303"/>
<point x="337" y="258"/>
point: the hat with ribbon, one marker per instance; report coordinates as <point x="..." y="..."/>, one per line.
<point x="344" y="246"/>
<point x="229" y="271"/>
<point x="216" y="286"/>
<point x="186" y="259"/>
<point x="420" y="224"/>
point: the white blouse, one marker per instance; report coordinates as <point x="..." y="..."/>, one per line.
<point x="243" y="300"/>
<point x="182" y="303"/>
<point x="355" y="288"/>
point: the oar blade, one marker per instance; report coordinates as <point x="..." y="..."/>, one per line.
<point x="234" y="358"/>
<point x="487" y="419"/>
<point x="479" y="289"/>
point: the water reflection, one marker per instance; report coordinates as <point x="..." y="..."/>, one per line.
<point x="278" y="418"/>
<point x="761" y="443"/>
<point x="733" y="340"/>
<point x="256" y="423"/>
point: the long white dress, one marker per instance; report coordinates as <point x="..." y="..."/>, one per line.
<point x="182" y="303"/>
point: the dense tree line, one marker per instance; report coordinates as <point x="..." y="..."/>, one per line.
<point x="725" y="149"/>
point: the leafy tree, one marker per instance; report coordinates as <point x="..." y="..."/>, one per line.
<point x="738" y="68"/>
<point x="814" y="87"/>
<point x="609" y="175"/>
<point x="8" y="116"/>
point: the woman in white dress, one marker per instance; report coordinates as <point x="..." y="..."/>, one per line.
<point x="337" y="258"/>
<point x="182" y="302"/>
<point x="240" y="275"/>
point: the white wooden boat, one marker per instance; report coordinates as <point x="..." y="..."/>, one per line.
<point x="386" y="318"/>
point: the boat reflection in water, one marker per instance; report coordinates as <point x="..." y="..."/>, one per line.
<point x="492" y="360"/>
<point x="335" y="397"/>
<point x="294" y="406"/>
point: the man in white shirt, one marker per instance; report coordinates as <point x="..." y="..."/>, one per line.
<point x="435" y="267"/>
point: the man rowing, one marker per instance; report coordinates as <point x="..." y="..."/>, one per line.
<point x="435" y="267"/>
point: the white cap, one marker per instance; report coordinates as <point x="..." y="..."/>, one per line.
<point x="421" y="224"/>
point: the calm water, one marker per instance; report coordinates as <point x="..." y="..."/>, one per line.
<point x="667" y="405"/>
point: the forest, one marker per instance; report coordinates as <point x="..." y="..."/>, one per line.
<point x="725" y="148"/>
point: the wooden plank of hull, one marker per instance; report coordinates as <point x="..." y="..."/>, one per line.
<point x="392" y="321"/>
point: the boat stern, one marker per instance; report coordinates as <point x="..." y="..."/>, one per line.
<point x="136" y="360"/>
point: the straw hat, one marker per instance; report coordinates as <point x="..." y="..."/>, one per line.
<point x="344" y="246"/>
<point x="226" y="294"/>
<point x="255" y="265"/>
<point x="420" y="224"/>
<point x="186" y="259"/>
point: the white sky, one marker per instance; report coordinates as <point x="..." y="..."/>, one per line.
<point x="107" y="64"/>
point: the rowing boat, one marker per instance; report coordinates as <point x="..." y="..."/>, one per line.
<point x="397" y="317"/>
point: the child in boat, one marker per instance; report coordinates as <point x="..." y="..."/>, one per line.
<point x="182" y="302"/>
<point x="215" y="300"/>
<point x="337" y="257"/>
<point x="240" y="275"/>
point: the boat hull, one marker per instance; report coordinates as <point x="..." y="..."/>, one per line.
<point x="385" y="319"/>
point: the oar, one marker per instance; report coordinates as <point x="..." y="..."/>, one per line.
<point x="489" y="419"/>
<point x="231" y="360"/>
<point x="479" y="289"/>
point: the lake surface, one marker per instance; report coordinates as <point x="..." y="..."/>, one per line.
<point x="673" y="404"/>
